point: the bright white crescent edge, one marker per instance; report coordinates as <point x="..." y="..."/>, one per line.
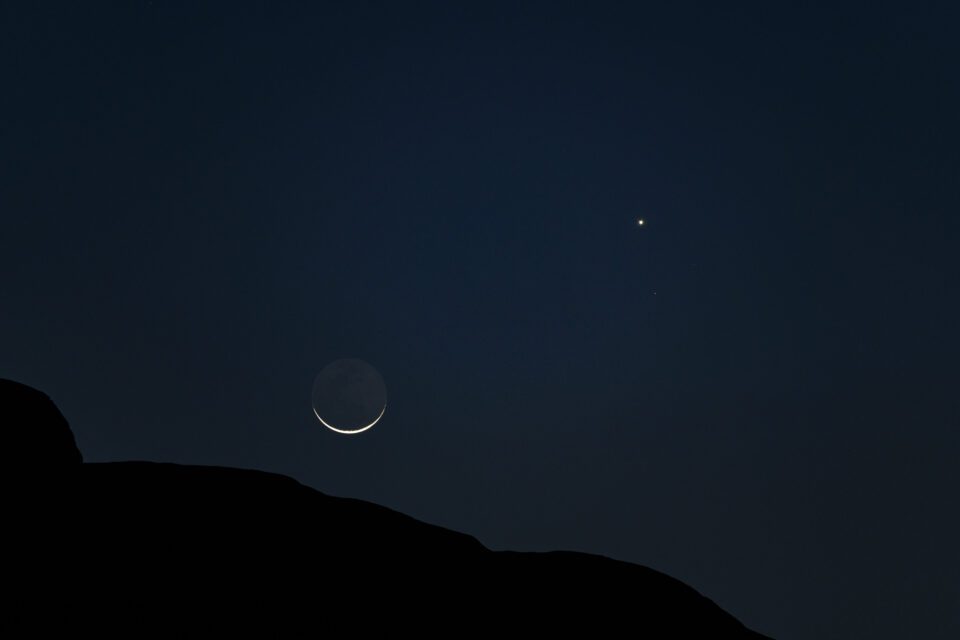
<point x="346" y="431"/>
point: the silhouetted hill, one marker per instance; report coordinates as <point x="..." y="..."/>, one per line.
<point x="136" y="548"/>
<point x="36" y="436"/>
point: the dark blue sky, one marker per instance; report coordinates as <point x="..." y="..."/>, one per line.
<point x="755" y="392"/>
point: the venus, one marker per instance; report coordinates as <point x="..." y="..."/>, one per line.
<point x="349" y="396"/>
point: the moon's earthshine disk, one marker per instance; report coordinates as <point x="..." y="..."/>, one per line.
<point x="349" y="396"/>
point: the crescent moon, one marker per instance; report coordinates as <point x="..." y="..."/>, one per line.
<point x="349" y="431"/>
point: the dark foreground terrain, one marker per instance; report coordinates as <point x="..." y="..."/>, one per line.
<point x="135" y="548"/>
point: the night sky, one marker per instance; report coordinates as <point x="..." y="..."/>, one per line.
<point x="754" y="392"/>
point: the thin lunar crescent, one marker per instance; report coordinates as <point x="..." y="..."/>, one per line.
<point x="349" y="396"/>
<point x="351" y="431"/>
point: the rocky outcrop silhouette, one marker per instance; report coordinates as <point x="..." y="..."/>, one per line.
<point x="36" y="436"/>
<point x="139" y="548"/>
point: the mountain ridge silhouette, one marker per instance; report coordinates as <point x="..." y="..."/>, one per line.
<point x="136" y="547"/>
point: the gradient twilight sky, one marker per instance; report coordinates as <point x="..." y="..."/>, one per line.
<point x="756" y="392"/>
